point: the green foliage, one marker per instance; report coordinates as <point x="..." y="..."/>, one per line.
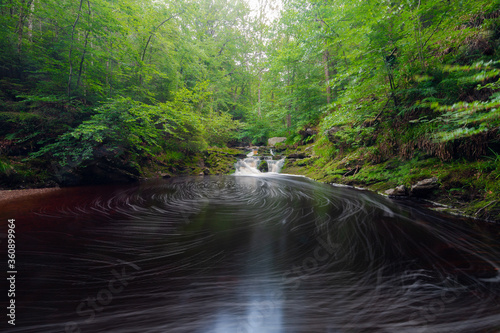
<point x="465" y="119"/>
<point x="119" y="125"/>
<point x="131" y="128"/>
<point x="169" y="156"/>
<point x="257" y="129"/>
<point x="6" y="168"/>
<point x="352" y="137"/>
<point x="220" y="128"/>
<point x="184" y="81"/>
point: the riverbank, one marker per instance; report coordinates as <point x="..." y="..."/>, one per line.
<point x="39" y="174"/>
<point x="461" y="187"/>
<point x="6" y="195"/>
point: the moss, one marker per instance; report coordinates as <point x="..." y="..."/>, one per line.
<point x="220" y="161"/>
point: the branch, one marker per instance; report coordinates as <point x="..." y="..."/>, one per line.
<point x="437" y="26"/>
<point x="323" y="22"/>
<point x="432" y="34"/>
<point x="152" y="34"/>
<point x="224" y="45"/>
<point x="382" y="110"/>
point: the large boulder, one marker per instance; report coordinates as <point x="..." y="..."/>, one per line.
<point x="275" y="140"/>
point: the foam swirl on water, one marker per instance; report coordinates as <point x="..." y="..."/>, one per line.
<point x="249" y="254"/>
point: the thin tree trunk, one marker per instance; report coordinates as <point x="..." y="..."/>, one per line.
<point x="30" y="21"/>
<point x="393" y="87"/>
<point x="71" y="48"/>
<point x="84" y="50"/>
<point x="152" y="34"/>
<point x="259" y="95"/>
<point x="83" y="58"/>
<point x="418" y="36"/>
<point x="20" y="28"/>
<point x="143" y="55"/>
<point x="326" y="57"/>
<point x="327" y="76"/>
<point x="20" y="24"/>
<point x="290" y="106"/>
<point x="110" y="75"/>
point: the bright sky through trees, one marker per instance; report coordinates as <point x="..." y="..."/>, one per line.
<point x="270" y="8"/>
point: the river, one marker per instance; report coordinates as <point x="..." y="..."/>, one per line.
<point x="254" y="254"/>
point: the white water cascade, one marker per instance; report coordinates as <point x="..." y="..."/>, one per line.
<point x="250" y="164"/>
<point x="275" y="165"/>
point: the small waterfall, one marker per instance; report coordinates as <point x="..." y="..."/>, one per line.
<point x="275" y="166"/>
<point x="250" y="165"/>
<point x="247" y="166"/>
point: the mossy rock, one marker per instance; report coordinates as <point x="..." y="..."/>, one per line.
<point x="263" y="166"/>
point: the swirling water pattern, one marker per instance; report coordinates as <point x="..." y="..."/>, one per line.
<point x="267" y="254"/>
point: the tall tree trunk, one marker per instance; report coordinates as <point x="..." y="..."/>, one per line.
<point x="290" y="106"/>
<point x="84" y="49"/>
<point x="82" y="58"/>
<point x="327" y="76"/>
<point x="70" y="75"/>
<point x="389" y="62"/>
<point x="326" y="59"/>
<point x="20" y="28"/>
<point x="23" y="8"/>
<point x="259" y="95"/>
<point x="30" y="21"/>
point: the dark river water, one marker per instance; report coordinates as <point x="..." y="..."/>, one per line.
<point x="269" y="254"/>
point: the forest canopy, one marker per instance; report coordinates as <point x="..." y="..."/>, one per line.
<point x="135" y="79"/>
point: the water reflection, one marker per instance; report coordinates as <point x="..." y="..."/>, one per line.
<point x="268" y="254"/>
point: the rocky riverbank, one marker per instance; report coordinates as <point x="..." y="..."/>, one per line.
<point x="458" y="187"/>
